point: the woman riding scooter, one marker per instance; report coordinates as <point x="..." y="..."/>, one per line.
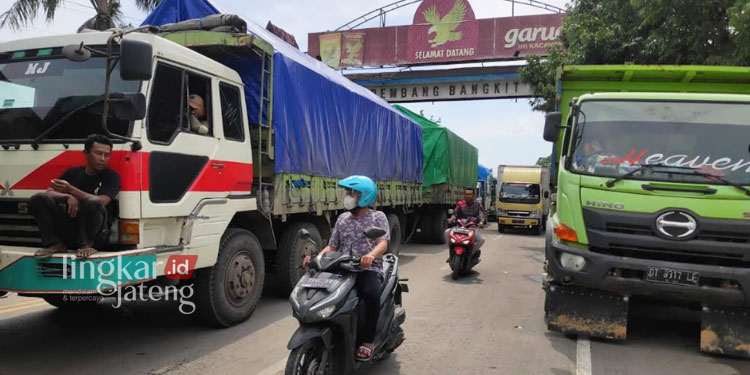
<point x="348" y="238"/>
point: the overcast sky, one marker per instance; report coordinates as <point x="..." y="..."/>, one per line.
<point x="505" y="131"/>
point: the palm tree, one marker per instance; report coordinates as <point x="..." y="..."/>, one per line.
<point x="108" y="13"/>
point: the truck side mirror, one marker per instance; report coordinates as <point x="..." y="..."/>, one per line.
<point x="129" y="106"/>
<point x="552" y="126"/>
<point x="136" y="58"/>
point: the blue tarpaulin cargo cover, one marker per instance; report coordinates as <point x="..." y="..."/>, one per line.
<point x="324" y="124"/>
<point x="483" y="172"/>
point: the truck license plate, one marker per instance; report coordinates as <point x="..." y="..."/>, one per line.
<point x="672" y="276"/>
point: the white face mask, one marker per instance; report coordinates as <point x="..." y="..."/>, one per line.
<point x="350" y="202"/>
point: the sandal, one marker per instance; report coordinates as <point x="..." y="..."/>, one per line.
<point x="364" y="354"/>
<point x="84" y="253"/>
<point x="46" y="253"/>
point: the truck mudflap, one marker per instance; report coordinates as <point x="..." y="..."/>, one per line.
<point x="725" y="331"/>
<point x="581" y="311"/>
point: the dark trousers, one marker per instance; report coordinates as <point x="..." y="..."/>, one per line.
<point x="56" y="226"/>
<point x="369" y="285"/>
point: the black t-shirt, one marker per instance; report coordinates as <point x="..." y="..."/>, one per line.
<point x="105" y="183"/>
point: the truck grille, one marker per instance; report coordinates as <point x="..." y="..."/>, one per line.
<point x="717" y="242"/>
<point x="519" y="213"/>
<point x="17" y="225"/>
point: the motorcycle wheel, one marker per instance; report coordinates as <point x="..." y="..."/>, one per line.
<point x="455" y="267"/>
<point x="307" y="358"/>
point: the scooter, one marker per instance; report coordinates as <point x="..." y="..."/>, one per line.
<point x="461" y="244"/>
<point x="326" y="304"/>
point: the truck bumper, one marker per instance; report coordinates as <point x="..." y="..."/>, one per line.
<point x="22" y="273"/>
<point x="626" y="276"/>
<point x="514" y="221"/>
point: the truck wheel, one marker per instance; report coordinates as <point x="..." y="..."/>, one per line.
<point x="394" y="245"/>
<point x="438" y="227"/>
<point x="227" y="293"/>
<point x="500" y="228"/>
<point x="539" y="230"/>
<point x="292" y="249"/>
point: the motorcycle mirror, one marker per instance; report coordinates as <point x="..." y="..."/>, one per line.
<point x="374" y="232"/>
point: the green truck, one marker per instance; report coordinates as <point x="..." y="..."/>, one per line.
<point x="449" y="166"/>
<point x="651" y="199"/>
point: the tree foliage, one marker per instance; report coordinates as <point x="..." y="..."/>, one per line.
<point x="543" y="161"/>
<point x="106" y="13"/>
<point x="685" y="32"/>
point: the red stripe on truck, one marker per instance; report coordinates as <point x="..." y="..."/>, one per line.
<point x="133" y="168"/>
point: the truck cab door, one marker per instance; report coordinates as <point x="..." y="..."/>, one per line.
<point x="179" y="169"/>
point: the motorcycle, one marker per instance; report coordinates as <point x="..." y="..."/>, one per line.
<point x="464" y="254"/>
<point x="326" y="304"/>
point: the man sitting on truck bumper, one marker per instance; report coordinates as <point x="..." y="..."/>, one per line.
<point x="73" y="212"/>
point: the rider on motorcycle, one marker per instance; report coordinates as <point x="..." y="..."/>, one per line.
<point x="471" y="210"/>
<point x="348" y="237"/>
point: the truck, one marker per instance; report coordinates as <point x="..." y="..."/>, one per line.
<point x="450" y="165"/>
<point x="522" y="198"/>
<point x="485" y="190"/>
<point x="651" y="200"/>
<point x="240" y="201"/>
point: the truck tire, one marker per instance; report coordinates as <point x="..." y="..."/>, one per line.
<point x="539" y="229"/>
<point x="438" y="227"/>
<point x="292" y="249"/>
<point x="228" y="292"/>
<point x="500" y="228"/>
<point x="394" y="245"/>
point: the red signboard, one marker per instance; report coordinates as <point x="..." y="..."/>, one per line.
<point x="442" y="31"/>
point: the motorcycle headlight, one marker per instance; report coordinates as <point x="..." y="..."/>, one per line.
<point x="325" y="313"/>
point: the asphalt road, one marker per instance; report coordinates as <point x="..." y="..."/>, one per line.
<point x="489" y="322"/>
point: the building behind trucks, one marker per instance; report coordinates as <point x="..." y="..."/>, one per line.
<point x="283" y="129"/>
<point x="651" y="199"/>
<point x="450" y="165"/>
<point x="522" y="197"/>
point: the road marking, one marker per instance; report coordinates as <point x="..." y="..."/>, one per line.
<point x="276" y="368"/>
<point x="22" y="306"/>
<point x="583" y="356"/>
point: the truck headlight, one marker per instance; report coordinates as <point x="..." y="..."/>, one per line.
<point x="572" y="262"/>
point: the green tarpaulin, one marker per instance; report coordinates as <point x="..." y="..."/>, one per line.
<point x="447" y="157"/>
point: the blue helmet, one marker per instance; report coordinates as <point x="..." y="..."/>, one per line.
<point x="364" y="185"/>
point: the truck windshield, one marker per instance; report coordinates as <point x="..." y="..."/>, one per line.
<point x="519" y="192"/>
<point x="616" y="137"/>
<point x="34" y="94"/>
